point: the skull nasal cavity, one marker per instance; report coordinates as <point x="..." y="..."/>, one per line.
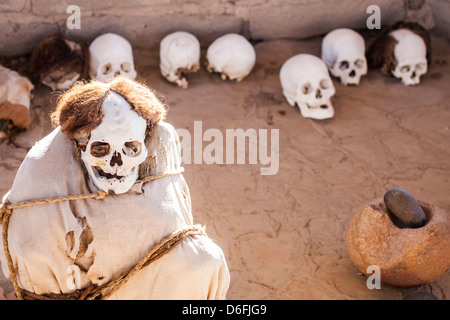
<point x="318" y="94"/>
<point x="116" y="159"/>
<point x="352" y="74"/>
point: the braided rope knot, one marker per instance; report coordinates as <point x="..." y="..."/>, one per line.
<point x="100" y="195"/>
<point x="5" y="210"/>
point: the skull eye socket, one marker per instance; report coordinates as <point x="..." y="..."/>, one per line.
<point x="343" y="65"/>
<point x="132" y="148"/>
<point x="420" y="66"/>
<point x="106" y="68"/>
<point x="99" y="149"/>
<point x="126" y="67"/>
<point x="359" y="63"/>
<point x="325" y="84"/>
<point x="306" y="88"/>
<point x="404" y="69"/>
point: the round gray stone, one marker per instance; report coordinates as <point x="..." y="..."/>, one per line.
<point x="405" y="207"/>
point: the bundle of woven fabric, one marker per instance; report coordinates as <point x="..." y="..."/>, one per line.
<point x="58" y="247"/>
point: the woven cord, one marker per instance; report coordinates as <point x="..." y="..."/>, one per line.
<point x="5" y="215"/>
<point x="161" y="249"/>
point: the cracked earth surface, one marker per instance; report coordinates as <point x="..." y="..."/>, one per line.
<point x="283" y="235"/>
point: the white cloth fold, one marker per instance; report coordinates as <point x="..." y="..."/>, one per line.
<point x="59" y="247"/>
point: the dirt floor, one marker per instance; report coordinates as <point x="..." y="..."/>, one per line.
<point x="283" y="235"/>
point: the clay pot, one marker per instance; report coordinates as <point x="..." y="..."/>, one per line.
<point x="406" y="257"/>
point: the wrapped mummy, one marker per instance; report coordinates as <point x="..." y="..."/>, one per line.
<point x="231" y="55"/>
<point x="306" y="83"/>
<point x="15" y="95"/>
<point x="111" y="55"/>
<point x="58" y="62"/>
<point x="179" y="54"/>
<point x="67" y="246"/>
<point x="343" y="50"/>
<point x="402" y="51"/>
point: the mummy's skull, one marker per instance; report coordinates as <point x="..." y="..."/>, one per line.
<point x="231" y="55"/>
<point x="343" y="50"/>
<point x="410" y="53"/>
<point x="179" y="55"/>
<point x="306" y="82"/>
<point x="111" y="55"/>
<point x="116" y="147"/>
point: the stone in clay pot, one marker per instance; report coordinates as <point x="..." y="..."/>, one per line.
<point x="403" y="206"/>
<point x="406" y="257"/>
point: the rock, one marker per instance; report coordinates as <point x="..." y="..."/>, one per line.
<point x="406" y="257"/>
<point x="402" y="205"/>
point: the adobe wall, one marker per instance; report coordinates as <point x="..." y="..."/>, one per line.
<point x="23" y="23"/>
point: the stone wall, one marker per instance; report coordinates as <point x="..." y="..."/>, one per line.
<point x="23" y="23"/>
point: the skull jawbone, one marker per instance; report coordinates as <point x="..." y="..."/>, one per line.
<point x="114" y="185"/>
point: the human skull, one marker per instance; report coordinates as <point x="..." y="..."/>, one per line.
<point x="179" y="54"/>
<point x="231" y="55"/>
<point x="60" y="79"/>
<point x="411" y="55"/>
<point x="110" y="55"/>
<point x="306" y="82"/>
<point x="58" y="62"/>
<point x="343" y="50"/>
<point x="116" y="147"/>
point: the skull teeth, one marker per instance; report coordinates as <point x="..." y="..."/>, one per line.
<point x="107" y="175"/>
<point x="322" y="106"/>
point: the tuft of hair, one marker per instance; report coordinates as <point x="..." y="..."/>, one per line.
<point x="53" y="52"/>
<point x="380" y="53"/>
<point x="79" y="109"/>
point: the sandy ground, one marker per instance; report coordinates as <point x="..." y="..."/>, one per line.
<point x="284" y="235"/>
